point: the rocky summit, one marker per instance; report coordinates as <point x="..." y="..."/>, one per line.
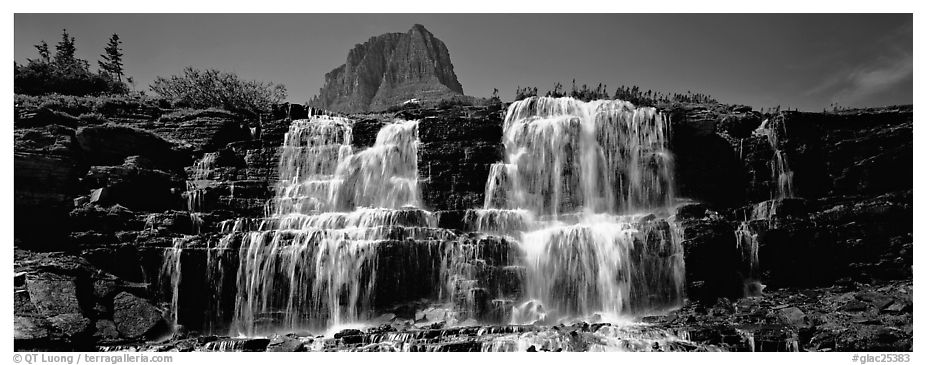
<point x="388" y="70"/>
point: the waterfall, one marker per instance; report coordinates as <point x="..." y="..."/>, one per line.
<point x="170" y="275"/>
<point x="573" y="189"/>
<point x="779" y="162"/>
<point x="747" y="243"/>
<point x="316" y="265"/>
<point x="196" y="189"/>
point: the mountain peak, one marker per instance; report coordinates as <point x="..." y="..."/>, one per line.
<point x="389" y="69"/>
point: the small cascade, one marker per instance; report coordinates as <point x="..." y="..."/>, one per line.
<point x="196" y="188"/>
<point x="747" y="243"/>
<point x="169" y="277"/>
<point x="575" y="181"/>
<point x="220" y="260"/>
<point x="779" y="162"/>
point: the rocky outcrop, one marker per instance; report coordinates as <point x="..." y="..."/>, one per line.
<point x="108" y="145"/>
<point x="388" y="70"/>
<point x="201" y="130"/>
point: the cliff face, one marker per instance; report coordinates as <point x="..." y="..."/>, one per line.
<point x="112" y="193"/>
<point x="390" y="69"/>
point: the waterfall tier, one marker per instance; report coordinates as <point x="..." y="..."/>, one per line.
<point x="573" y="175"/>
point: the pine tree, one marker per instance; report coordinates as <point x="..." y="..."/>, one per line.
<point x="65" y="50"/>
<point x="112" y="59"/>
<point x="43" y="51"/>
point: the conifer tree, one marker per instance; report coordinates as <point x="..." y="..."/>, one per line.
<point x="112" y="59"/>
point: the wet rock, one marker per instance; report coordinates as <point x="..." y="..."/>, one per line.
<point x="347" y="332"/>
<point x="794" y="316"/>
<point x="238" y="345"/>
<point x="135" y="317"/>
<point x="285" y="344"/>
<point x="780" y="208"/>
<point x="691" y="211"/>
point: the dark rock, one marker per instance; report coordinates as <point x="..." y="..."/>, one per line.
<point x="691" y="211"/>
<point x="46" y="165"/>
<point x="42" y="117"/>
<point x="92" y="217"/>
<point x="133" y="187"/>
<point x="780" y="208"/>
<point x="135" y="317"/>
<point x="707" y="244"/>
<point x="708" y="167"/>
<point x="347" y="332"/>
<point x="201" y="130"/>
<point x="110" y="144"/>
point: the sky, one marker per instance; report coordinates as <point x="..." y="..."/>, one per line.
<point x="803" y="61"/>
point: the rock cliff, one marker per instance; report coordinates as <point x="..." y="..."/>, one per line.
<point x="390" y="69"/>
<point x="837" y="259"/>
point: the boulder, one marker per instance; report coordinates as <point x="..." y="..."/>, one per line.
<point x="54" y="294"/>
<point x="794" y="317"/>
<point x="135" y="317"/>
<point x="285" y="344"/>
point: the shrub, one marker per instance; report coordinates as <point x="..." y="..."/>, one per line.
<point x="203" y="89"/>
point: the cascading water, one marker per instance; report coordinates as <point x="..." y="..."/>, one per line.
<point x="747" y="243"/>
<point x="196" y="189"/>
<point x="316" y="268"/>
<point x="779" y="163"/>
<point x="573" y="190"/>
